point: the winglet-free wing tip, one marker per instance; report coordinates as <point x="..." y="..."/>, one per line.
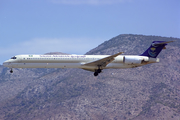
<point x="120" y="53"/>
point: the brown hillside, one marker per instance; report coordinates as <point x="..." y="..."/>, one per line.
<point x="150" y="92"/>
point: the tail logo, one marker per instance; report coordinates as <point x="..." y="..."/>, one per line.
<point x="152" y="52"/>
<point x="153" y="49"/>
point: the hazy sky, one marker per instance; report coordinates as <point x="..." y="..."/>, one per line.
<point x="76" y="26"/>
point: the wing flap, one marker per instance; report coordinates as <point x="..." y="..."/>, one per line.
<point x="91" y="70"/>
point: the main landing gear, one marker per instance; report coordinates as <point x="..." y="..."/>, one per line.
<point x="97" y="72"/>
<point x="11" y="71"/>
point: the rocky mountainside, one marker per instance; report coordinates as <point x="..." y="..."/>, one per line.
<point x="149" y="92"/>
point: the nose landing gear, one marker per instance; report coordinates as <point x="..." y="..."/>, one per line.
<point x="11" y="71"/>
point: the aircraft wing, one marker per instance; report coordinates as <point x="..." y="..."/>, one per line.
<point x="104" y="61"/>
<point x="91" y="70"/>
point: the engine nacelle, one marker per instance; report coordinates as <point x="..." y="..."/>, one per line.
<point x="134" y="60"/>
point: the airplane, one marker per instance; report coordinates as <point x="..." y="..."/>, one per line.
<point x="94" y="63"/>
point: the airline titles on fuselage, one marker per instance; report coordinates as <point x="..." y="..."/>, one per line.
<point x="63" y="56"/>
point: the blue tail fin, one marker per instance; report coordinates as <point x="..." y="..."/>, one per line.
<point x="155" y="48"/>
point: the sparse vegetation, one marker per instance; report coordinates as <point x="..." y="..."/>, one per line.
<point x="130" y="94"/>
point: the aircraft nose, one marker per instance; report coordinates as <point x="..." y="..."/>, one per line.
<point x="6" y="63"/>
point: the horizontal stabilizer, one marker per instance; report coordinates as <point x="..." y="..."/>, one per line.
<point x="163" y="43"/>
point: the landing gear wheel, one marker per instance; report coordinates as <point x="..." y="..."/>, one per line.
<point x="99" y="71"/>
<point x="95" y="73"/>
<point x="11" y="71"/>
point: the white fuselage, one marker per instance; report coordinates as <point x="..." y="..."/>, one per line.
<point x="75" y="61"/>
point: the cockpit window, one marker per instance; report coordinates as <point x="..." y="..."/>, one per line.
<point x="13" y="57"/>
